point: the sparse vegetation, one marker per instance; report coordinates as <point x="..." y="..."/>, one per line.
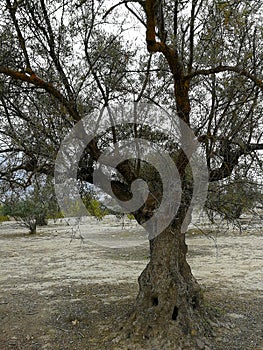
<point x="32" y="207"/>
<point x="2" y="216"/>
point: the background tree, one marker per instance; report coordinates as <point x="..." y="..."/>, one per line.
<point x="31" y="207"/>
<point x="230" y="199"/>
<point x="60" y="61"/>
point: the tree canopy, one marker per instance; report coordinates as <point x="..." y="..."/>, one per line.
<point x="80" y="57"/>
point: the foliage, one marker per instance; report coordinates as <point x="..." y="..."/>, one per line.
<point x="95" y="209"/>
<point x="25" y="211"/>
<point x="2" y="216"/>
<point x="34" y="206"/>
<point x="93" y="205"/>
<point x="82" y="64"/>
<point x="61" y="61"/>
<point x="130" y="216"/>
<point x="230" y="200"/>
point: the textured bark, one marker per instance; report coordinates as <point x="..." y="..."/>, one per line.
<point x="41" y="220"/>
<point x="32" y="227"/>
<point x="168" y="291"/>
<point x="169" y="312"/>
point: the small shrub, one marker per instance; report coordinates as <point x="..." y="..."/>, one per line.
<point x="4" y="218"/>
<point x="95" y="209"/>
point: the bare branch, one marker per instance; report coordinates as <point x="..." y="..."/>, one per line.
<point x="145" y="80"/>
<point x="124" y="2"/>
<point x="12" y="11"/>
<point x="40" y="83"/>
<point x="191" y="39"/>
<point x="221" y="69"/>
<point x="135" y="15"/>
<point x="53" y="54"/>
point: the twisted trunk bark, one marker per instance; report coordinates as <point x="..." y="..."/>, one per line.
<point x="168" y="291"/>
<point x="169" y="305"/>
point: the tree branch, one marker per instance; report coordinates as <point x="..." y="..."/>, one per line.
<point x="135" y="14"/>
<point x="191" y="38"/>
<point x="221" y="69"/>
<point x="51" y="42"/>
<point x="231" y="159"/>
<point x="146" y="80"/>
<point x="12" y="11"/>
<point x="124" y="2"/>
<point x="40" y="83"/>
<point x="255" y="147"/>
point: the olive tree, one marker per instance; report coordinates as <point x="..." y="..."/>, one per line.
<point x="203" y="61"/>
<point x="31" y="206"/>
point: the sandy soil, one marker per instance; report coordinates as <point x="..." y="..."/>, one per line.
<point x="60" y="292"/>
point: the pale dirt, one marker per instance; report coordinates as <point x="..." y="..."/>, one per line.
<point x="62" y="293"/>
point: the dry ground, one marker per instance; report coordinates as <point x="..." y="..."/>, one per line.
<point x="57" y="293"/>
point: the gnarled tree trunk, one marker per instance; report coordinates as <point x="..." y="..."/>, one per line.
<point x="168" y="290"/>
<point x="169" y="303"/>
